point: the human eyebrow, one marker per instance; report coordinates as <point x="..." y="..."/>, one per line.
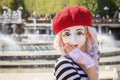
<point x="66" y="30"/>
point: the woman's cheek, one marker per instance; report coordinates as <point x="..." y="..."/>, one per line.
<point x="66" y="40"/>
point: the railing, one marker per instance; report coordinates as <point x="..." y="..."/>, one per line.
<point x="104" y="21"/>
<point x="38" y="21"/>
<point x="95" y="20"/>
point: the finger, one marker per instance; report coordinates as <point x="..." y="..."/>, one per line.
<point x="68" y="48"/>
<point x="71" y="47"/>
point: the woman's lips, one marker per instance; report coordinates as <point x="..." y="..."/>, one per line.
<point x="75" y="45"/>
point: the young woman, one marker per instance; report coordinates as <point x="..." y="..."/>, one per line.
<point x="77" y="42"/>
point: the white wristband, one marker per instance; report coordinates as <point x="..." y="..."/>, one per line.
<point x="74" y="54"/>
<point x="82" y="58"/>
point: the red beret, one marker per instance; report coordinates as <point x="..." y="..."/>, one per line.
<point x="71" y="16"/>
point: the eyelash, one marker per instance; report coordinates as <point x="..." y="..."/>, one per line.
<point x="68" y="34"/>
<point x="80" y="33"/>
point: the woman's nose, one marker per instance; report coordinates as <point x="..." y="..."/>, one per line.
<point x="73" y="40"/>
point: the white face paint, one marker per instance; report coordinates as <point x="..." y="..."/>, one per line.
<point x="74" y="35"/>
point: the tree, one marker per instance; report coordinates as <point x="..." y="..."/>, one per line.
<point x="45" y="7"/>
<point x="110" y="4"/>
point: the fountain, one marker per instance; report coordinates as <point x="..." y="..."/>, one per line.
<point x="8" y="44"/>
<point x="23" y="51"/>
<point x="110" y="57"/>
<point x="106" y="42"/>
<point x="35" y="51"/>
<point x="9" y="25"/>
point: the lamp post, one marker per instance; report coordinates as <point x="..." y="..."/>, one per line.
<point x="34" y="21"/>
<point x="10" y="18"/>
<point x="106" y="10"/>
<point x="19" y="13"/>
<point x="5" y="15"/>
<point x="119" y="15"/>
<point x="4" y="7"/>
<point x="21" y="8"/>
<point x="2" y="45"/>
<point x="4" y="18"/>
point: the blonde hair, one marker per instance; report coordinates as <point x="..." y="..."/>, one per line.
<point x="58" y="43"/>
<point x="92" y="47"/>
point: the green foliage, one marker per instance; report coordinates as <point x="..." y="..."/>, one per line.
<point x="112" y="7"/>
<point x="7" y="3"/>
<point x="47" y="7"/>
<point x="117" y="2"/>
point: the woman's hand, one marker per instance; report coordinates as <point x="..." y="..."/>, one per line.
<point x="68" y="48"/>
<point x="83" y="59"/>
<point x="79" y="56"/>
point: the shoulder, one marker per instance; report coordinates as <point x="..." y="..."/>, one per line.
<point x="63" y="61"/>
<point x="64" y="69"/>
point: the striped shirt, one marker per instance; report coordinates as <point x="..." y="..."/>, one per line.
<point x="67" y="69"/>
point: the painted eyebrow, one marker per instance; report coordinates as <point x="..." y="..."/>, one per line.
<point x="66" y="30"/>
<point x="79" y="29"/>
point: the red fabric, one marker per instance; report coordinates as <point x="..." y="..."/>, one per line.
<point x="71" y="16"/>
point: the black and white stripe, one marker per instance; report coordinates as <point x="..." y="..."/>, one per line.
<point x="67" y="69"/>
